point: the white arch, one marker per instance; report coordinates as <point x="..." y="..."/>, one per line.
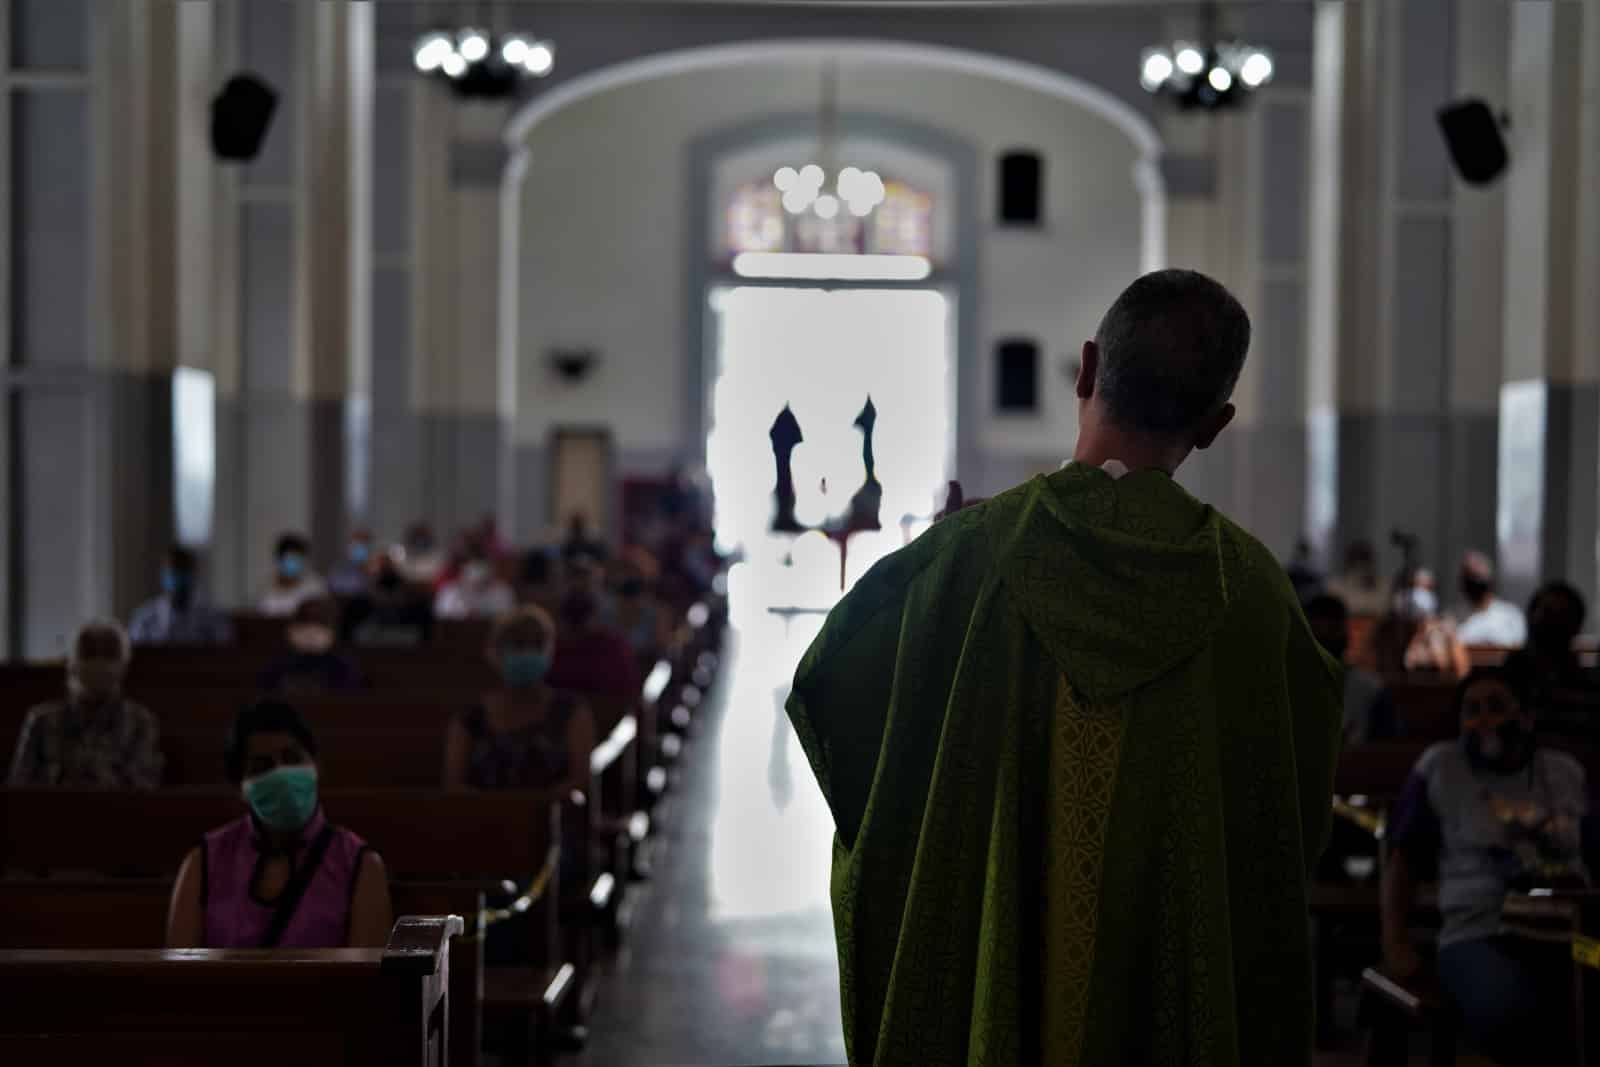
<point x="1147" y="177"/>
<point x="1055" y="83"/>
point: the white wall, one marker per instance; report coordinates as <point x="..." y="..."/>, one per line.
<point x="605" y="243"/>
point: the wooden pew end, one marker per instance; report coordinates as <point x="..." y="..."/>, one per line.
<point x="419" y="943"/>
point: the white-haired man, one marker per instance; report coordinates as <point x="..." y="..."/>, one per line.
<point x="95" y="737"/>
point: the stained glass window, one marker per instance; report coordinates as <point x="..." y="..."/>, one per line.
<point x="757" y="222"/>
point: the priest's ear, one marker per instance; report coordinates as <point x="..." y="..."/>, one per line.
<point x="1088" y="368"/>
<point x="1212" y="425"/>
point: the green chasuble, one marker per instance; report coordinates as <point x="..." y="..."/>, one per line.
<point x="1078" y="743"/>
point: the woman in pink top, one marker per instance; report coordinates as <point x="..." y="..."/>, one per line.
<point x="281" y="876"/>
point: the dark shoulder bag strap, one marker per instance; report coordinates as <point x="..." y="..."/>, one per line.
<point x="289" y="899"/>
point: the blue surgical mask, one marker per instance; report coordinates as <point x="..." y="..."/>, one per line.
<point x="291" y="564"/>
<point x="360" y="552"/>
<point x="524" y="668"/>
<point x="175" y="583"/>
<point x="284" y="798"/>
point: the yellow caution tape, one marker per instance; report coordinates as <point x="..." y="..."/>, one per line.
<point x="1586" y="950"/>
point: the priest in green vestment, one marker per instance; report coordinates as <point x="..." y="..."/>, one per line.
<point x="1078" y="742"/>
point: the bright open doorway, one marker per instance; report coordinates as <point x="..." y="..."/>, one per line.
<point x="823" y="352"/>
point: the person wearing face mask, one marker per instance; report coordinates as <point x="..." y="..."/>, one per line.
<point x="525" y="734"/>
<point x="592" y="656"/>
<point x="95" y="737"/>
<point x="313" y="664"/>
<point x="282" y="875"/>
<point x="1368" y="710"/>
<point x="1567" y="696"/>
<point x="352" y="578"/>
<point x="1490" y="811"/>
<point x="181" y="614"/>
<point x="1486" y="620"/>
<point x="635" y="609"/>
<point x="476" y="593"/>
<point x="293" y="580"/>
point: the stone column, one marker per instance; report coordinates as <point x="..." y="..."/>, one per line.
<point x="1549" y="399"/>
<point x="335" y="244"/>
<point x="1380" y="319"/>
<point x="461" y="386"/>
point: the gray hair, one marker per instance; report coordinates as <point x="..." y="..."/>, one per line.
<point x="1171" y="350"/>
<point x="110" y="626"/>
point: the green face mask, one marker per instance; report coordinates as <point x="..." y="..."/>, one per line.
<point x="283" y="799"/>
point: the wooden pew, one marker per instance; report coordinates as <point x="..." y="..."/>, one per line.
<point x="445" y="848"/>
<point x="137" y="1007"/>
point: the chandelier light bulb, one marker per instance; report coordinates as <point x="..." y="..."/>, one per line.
<point x="431" y="52"/>
<point x="474" y="46"/>
<point x="541" y="58"/>
<point x="826" y="206"/>
<point x="1189" y="60"/>
<point x="795" y="201"/>
<point x="811" y="176"/>
<point x="1256" y="70"/>
<point x="785" y="179"/>
<point x="861" y="208"/>
<point x="848" y="183"/>
<point x="514" y="51"/>
<point x="1157" y="69"/>
<point x="453" y="65"/>
<point x="1220" y="79"/>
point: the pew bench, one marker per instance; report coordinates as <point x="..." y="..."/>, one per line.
<point x="138" y="1007"/>
<point x="443" y="850"/>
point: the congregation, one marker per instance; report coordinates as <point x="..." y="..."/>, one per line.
<point x="1496" y="712"/>
<point x="346" y="707"/>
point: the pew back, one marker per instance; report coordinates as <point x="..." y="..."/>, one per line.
<point x="331" y="1006"/>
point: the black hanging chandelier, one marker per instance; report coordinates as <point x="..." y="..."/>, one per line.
<point x="1208" y="77"/>
<point x="477" y="62"/>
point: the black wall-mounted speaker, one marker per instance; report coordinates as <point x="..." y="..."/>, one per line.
<point x="240" y="116"/>
<point x="1473" y="135"/>
<point x="1021" y="188"/>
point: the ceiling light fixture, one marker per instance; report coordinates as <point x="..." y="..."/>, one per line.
<point x="1205" y="76"/>
<point x="478" y="62"/>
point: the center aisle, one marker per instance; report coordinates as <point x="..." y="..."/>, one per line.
<point x="731" y="956"/>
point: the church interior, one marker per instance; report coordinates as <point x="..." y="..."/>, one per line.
<point x="436" y="430"/>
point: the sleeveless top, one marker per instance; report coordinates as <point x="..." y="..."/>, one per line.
<point x="529" y="757"/>
<point x="231" y="860"/>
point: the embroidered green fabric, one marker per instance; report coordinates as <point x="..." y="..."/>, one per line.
<point x="1078" y="743"/>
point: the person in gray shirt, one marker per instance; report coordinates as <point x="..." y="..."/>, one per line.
<point x="1491" y="811"/>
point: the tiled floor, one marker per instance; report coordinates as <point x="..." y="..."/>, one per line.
<point x="731" y="958"/>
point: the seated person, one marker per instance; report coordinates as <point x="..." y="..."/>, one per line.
<point x="352" y="577"/>
<point x="635" y="609"/>
<point x="95" y="737"/>
<point x="1368" y="711"/>
<point x="398" y="612"/>
<point x="580" y="542"/>
<point x="525" y="734"/>
<point x="1491" y="811"/>
<point x="1487" y="621"/>
<point x="539" y="583"/>
<point x="282" y="875"/>
<point x="313" y="663"/>
<point x="1359" y="585"/>
<point x="421" y="562"/>
<point x="1413" y="639"/>
<point x="592" y="658"/>
<point x="181" y="614"/>
<point x="293" y="582"/>
<point x="1566" y="695"/>
<point x="476" y="593"/>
